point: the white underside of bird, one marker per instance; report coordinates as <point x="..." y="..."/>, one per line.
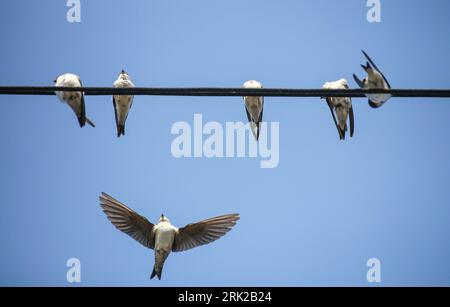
<point x="342" y="106"/>
<point x="164" y="238"/>
<point x="254" y="106"/>
<point x="122" y="103"/>
<point x="74" y="99"/>
<point x="376" y="81"/>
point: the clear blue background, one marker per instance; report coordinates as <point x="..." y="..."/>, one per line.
<point x="314" y="220"/>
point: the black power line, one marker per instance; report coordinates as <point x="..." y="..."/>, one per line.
<point x="209" y="91"/>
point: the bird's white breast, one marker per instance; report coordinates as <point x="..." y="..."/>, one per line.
<point x="123" y="101"/>
<point x="376" y="81"/>
<point x="338" y="101"/>
<point x="164" y="236"/>
<point x="254" y="106"/>
<point x="123" y="83"/>
<point x="253" y="102"/>
<point x="69" y="80"/>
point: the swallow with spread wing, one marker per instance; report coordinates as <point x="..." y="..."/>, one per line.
<point x="163" y="237"/>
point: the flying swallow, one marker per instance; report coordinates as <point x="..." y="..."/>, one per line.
<point x="254" y="108"/>
<point x="374" y="80"/>
<point x="163" y="237"/>
<point x="74" y="99"/>
<point x="122" y="103"/>
<point x="342" y="106"/>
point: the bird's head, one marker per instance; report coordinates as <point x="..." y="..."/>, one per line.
<point x="343" y="82"/>
<point x="164" y="219"/>
<point x="253" y="84"/>
<point x="123" y="74"/>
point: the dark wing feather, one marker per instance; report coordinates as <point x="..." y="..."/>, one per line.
<point x="82" y="117"/>
<point x="258" y="125"/>
<point x="352" y="121"/>
<point x="370" y="60"/>
<point x="115" y="113"/>
<point x="203" y="232"/>
<point x="330" y="105"/>
<point x="128" y="221"/>
<point x="248" y="114"/>
<point x="375" y="66"/>
<point x="358" y="81"/>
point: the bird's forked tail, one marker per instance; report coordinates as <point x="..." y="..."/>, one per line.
<point x="120" y="130"/>
<point x="156" y="272"/>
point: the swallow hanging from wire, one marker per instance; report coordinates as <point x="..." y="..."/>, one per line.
<point x="122" y="103"/>
<point x="74" y="99"/>
<point x="374" y="80"/>
<point x="163" y="237"/>
<point x="254" y="108"/>
<point x="343" y="108"/>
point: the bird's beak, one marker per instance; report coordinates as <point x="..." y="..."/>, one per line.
<point x="123" y="71"/>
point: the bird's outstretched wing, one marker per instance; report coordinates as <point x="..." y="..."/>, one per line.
<point x="128" y="221"/>
<point x="204" y="232"/>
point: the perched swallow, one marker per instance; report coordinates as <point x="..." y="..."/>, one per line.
<point x="122" y="103"/>
<point x="74" y="99"/>
<point x="342" y="106"/>
<point x="163" y="237"/>
<point x="374" y="80"/>
<point x="254" y="108"/>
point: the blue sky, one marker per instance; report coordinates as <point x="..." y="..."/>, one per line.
<point x="314" y="220"/>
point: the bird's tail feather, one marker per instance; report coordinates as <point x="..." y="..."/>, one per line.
<point x="90" y="122"/>
<point x="367" y="67"/>
<point x="358" y="81"/>
<point x="255" y="130"/>
<point x="120" y="130"/>
<point x="81" y="122"/>
<point x="156" y="273"/>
